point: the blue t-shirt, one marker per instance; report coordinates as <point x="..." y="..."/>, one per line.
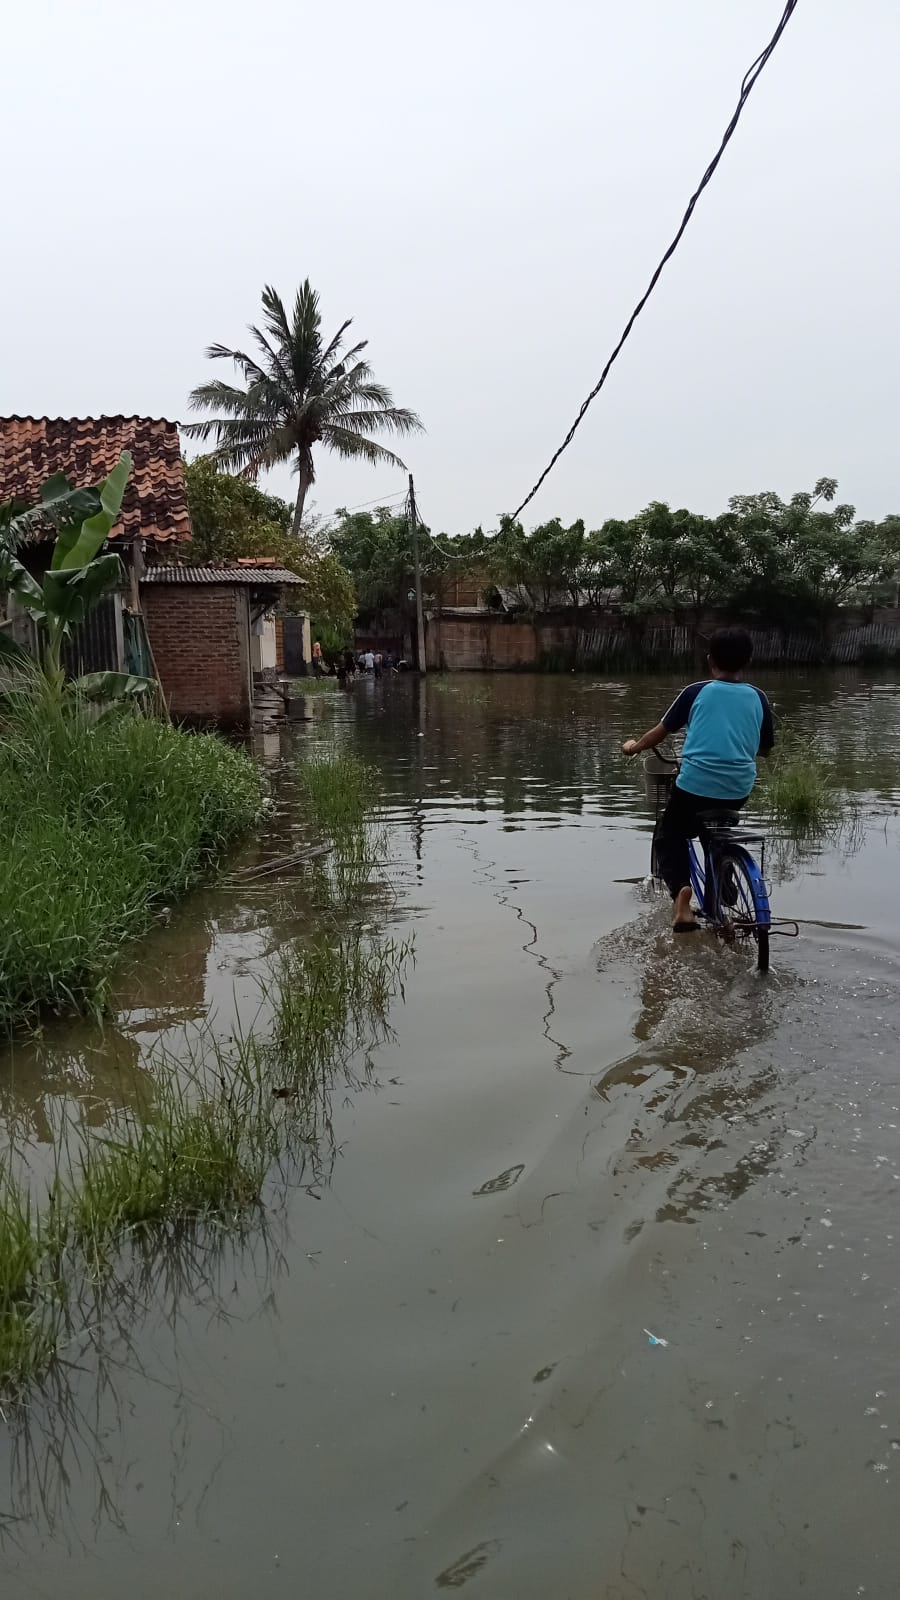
<point x="727" y="725"/>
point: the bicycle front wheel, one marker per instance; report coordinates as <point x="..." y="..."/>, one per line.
<point x="742" y="909"/>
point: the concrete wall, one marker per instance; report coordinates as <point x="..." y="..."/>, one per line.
<point x="199" y="635"/>
<point x="481" y="644"/>
<point x="488" y="642"/>
<point x="263" y="645"/>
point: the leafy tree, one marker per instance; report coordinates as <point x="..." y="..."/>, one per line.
<point x="553" y="563"/>
<point x="709" y="558"/>
<point x="623" y="561"/>
<point x="798" y="560"/>
<point x="300" y="392"/>
<point x="231" y="518"/>
<point x="376" y="548"/>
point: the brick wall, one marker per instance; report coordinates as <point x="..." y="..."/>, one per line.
<point x="199" y="637"/>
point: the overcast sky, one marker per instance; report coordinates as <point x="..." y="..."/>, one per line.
<point x="485" y="186"/>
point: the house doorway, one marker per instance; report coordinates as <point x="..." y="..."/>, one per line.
<point x="295" y="661"/>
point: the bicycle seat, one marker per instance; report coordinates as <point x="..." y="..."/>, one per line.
<point x="718" y="819"/>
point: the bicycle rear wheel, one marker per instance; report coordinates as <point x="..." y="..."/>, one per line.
<point x="742" y="909"/>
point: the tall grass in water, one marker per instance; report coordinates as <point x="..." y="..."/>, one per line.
<point x="202" y="1150"/>
<point x="222" y="1116"/>
<point x="201" y="1153"/>
<point x="330" y="1000"/>
<point x="340" y="795"/>
<point x="30" y="1309"/>
<point x="338" y="792"/>
<point x="223" y="1122"/>
<point x="100" y="821"/>
<point x="798" y="790"/>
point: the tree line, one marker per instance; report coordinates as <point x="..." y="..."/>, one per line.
<point x="781" y="561"/>
<point x="802" y="558"/>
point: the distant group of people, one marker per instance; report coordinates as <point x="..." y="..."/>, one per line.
<point x="366" y="663"/>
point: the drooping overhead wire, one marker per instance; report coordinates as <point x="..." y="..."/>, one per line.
<point x="749" y="79"/>
<point x="449" y="555"/>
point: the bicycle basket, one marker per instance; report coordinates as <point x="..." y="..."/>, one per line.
<point x="660" y="773"/>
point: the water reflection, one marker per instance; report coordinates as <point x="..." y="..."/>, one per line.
<point x="92" y="1072"/>
<point x="62" y="1449"/>
<point x="702" y="1007"/>
<point x="548" y="749"/>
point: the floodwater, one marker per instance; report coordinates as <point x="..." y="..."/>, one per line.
<point x="433" y="1370"/>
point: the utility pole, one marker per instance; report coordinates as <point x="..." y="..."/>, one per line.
<point x="420" y="617"/>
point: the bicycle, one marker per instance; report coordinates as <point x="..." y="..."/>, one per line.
<point x="729" y="884"/>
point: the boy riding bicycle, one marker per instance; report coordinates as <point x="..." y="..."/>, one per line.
<point x="729" y="723"/>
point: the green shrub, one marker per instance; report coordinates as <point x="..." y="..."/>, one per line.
<point x="338" y="792"/>
<point x="798" y="789"/>
<point x="100" y="821"/>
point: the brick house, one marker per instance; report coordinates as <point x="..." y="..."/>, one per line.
<point x="213" y="635"/>
<point x="207" y="633"/>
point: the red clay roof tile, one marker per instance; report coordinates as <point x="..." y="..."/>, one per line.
<point x="86" y="449"/>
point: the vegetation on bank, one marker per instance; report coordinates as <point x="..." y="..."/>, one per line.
<point x="78" y="578"/>
<point x="226" y="1120"/>
<point x="102" y="823"/>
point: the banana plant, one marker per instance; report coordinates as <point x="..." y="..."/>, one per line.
<point x="78" y="577"/>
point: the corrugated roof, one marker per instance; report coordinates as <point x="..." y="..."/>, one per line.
<point x="86" y="449"/>
<point x="251" y="577"/>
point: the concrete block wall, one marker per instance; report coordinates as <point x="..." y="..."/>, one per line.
<point x="199" y="637"/>
<point x="476" y="644"/>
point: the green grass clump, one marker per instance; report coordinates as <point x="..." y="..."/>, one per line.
<point x="100" y="822"/>
<point x="174" y="1168"/>
<point x="29" y="1308"/>
<point x="338" y="792"/>
<point x="797" y="788"/>
<point x="222" y="1120"/>
<point x="202" y="1148"/>
<point x="331" y="998"/>
<point x="327" y="684"/>
<point x="201" y="1153"/>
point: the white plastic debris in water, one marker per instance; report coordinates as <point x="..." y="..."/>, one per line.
<point x="663" y="1343"/>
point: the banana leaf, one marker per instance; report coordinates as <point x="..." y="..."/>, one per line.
<point x="112" y="686"/>
<point x="69" y="593"/>
<point x="59" y="504"/>
<point x="12" y="651"/>
<point x="15" y="577"/>
<point x="79" y="543"/>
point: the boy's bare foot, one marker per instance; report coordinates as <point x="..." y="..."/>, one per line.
<point x="683" y="919"/>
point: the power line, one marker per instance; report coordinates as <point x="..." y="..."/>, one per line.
<point x="450" y="555"/>
<point x="749" y="79"/>
<point x="379" y="500"/>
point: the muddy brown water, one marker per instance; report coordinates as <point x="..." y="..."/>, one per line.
<point x="431" y="1371"/>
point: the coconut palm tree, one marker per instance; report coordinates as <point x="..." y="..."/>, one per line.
<point x="299" y="393"/>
